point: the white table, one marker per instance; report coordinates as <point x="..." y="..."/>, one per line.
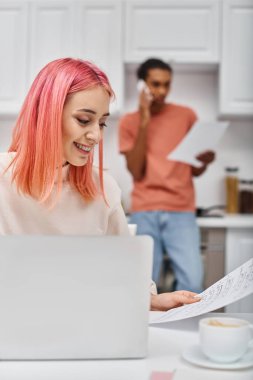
<point x="166" y="343"/>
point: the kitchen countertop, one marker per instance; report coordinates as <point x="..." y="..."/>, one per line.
<point x="227" y="221"/>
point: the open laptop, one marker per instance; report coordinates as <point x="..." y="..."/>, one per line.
<point x="71" y="297"/>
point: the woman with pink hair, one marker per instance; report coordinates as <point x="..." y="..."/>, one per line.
<point x="48" y="183"/>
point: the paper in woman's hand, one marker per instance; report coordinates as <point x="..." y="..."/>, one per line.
<point x="234" y="286"/>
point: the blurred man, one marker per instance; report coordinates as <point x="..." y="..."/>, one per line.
<point x="163" y="203"/>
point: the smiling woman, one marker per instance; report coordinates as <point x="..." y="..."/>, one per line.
<point x="48" y="184"/>
<point x="82" y="129"/>
<point x="52" y="120"/>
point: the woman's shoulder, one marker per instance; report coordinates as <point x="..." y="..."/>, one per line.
<point x="5" y="159"/>
<point x="111" y="188"/>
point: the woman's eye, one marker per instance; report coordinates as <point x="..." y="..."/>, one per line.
<point x="103" y="125"/>
<point x="82" y="121"/>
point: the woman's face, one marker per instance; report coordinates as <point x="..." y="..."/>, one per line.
<point x="83" y="120"/>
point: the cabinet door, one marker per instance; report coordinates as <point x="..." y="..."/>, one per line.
<point x="239" y="249"/>
<point x="99" y="40"/>
<point x="236" y="78"/>
<point x="179" y="30"/>
<point x="51" y="32"/>
<point x="13" y="62"/>
<point x="213" y="253"/>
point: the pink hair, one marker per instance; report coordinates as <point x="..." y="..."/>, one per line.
<point x="37" y="136"/>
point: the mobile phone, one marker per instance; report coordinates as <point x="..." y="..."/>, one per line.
<point x="141" y="85"/>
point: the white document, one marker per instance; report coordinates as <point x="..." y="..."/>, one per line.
<point x="234" y="286"/>
<point x="201" y="137"/>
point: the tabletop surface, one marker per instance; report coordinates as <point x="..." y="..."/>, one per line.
<point x="166" y="342"/>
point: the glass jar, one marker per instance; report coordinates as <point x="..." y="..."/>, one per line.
<point x="232" y="190"/>
<point x="246" y="196"/>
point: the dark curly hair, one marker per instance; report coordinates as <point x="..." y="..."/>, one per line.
<point x="152" y="63"/>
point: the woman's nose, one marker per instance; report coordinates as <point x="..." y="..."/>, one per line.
<point x="94" y="134"/>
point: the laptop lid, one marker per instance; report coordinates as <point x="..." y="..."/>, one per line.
<point x="71" y="297"/>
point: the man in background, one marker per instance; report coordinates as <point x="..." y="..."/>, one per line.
<point x="163" y="201"/>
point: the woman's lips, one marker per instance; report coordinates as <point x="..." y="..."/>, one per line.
<point x="84" y="149"/>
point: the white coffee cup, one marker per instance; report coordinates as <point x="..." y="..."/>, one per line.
<point x="225" y="339"/>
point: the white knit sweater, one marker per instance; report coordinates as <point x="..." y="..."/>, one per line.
<point x="20" y="214"/>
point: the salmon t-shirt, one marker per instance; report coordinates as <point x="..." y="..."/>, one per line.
<point x="167" y="185"/>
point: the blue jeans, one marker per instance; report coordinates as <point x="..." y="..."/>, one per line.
<point x="176" y="234"/>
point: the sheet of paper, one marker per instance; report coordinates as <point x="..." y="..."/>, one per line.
<point x="202" y="137"/>
<point x="234" y="286"/>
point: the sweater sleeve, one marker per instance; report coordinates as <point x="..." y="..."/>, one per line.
<point x="117" y="223"/>
<point x="153" y="288"/>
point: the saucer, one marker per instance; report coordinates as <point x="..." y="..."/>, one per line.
<point x="194" y="355"/>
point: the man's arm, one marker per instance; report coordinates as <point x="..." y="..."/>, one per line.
<point x="136" y="158"/>
<point x="206" y="158"/>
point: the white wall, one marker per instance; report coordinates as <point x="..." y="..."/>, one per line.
<point x="5" y="132"/>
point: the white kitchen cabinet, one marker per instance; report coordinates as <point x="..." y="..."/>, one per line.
<point x="99" y="40"/>
<point x="13" y="62"/>
<point x="175" y="30"/>
<point x="239" y="249"/>
<point x="213" y="254"/>
<point x="41" y="31"/>
<point x="51" y="33"/>
<point x="236" y="76"/>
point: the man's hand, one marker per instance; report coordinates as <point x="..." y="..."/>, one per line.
<point x="166" y="301"/>
<point x="206" y="157"/>
<point x="136" y="158"/>
<point x="145" y="100"/>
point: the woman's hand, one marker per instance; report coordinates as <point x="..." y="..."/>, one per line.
<point x="166" y="301"/>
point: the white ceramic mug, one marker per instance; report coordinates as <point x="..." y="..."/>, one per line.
<point x="225" y="339"/>
<point x="132" y="229"/>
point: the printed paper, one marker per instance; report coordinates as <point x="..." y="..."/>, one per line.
<point x="202" y="137"/>
<point x="234" y="286"/>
